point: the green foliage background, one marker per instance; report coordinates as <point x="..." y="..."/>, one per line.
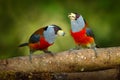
<point x="20" y="18"/>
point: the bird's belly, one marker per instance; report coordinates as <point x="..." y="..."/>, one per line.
<point x="44" y="44"/>
<point x="82" y="38"/>
<point x="41" y="45"/>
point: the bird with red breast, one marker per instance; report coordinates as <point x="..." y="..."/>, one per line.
<point x="81" y="33"/>
<point x="42" y="39"/>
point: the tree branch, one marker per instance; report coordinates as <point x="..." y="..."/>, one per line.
<point x="67" y="61"/>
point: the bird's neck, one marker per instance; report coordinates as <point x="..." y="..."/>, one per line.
<point x="77" y="25"/>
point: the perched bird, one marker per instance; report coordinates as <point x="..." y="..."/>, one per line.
<point x="81" y="33"/>
<point x="43" y="38"/>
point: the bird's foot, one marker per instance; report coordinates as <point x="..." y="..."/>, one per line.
<point x="30" y="56"/>
<point x="75" y="48"/>
<point x="70" y="50"/>
<point x="48" y="52"/>
<point x="95" y="52"/>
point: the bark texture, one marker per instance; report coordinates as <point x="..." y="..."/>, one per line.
<point x="82" y="61"/>
<point x="67" y="61"/>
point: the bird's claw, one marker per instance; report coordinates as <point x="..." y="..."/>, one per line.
<point x="48" y="52"/>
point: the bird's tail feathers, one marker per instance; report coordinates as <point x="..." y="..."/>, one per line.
<point x="24" y="44"/>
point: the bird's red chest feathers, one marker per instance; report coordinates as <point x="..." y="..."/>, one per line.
<point x="81" y="37"/>
<point x="41" y="45"/>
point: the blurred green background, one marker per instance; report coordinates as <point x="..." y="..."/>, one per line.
<point x="20" y="18"/>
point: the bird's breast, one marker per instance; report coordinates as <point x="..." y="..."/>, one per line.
<point x="81" y="38"/>
<point x="41" y="45"/>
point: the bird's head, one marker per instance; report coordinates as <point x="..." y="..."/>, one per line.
<point x="73" y="16"/>
<point x="77" y="22"/>
<point x="56" y="29"/>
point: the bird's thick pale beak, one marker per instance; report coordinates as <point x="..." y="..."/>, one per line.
<point x="60" y="33"/>
<point x="71" y="16"/>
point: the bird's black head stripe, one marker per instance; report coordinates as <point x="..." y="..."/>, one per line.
<point x="45" y="28"/>
<point x="56" y="28"/>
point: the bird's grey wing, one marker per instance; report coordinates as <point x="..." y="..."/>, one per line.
<point x="89" y="32"/>
<point x="34" y="38"/>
